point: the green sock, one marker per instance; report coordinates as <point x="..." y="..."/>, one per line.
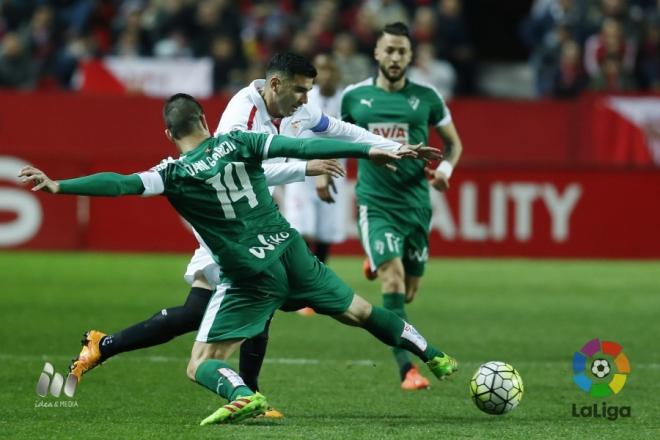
<point x="395" y="302"/>
<point x="396" y="332"/>
<point x="220" y="378"/>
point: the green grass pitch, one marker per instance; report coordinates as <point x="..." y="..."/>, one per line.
<point x="332" y="381"/>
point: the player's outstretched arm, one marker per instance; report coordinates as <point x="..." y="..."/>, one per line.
<point x="282" y="146"/>
<point x="386" y="158"/>
<point x="349" y="132"/>
<point x="424" y="151"/>
<point x="101" y="184"/>
<point x="39" y="179"/>
<point x="346" y="131"/>
<point x="317" y="148"/>
<point x="282" y="173"/>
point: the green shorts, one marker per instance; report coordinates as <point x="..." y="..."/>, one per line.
<point x="240" y="309"/>
<point x="388" y="234"/>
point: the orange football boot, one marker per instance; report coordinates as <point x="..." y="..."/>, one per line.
<point x="90" y="355"/>
<point x="414" y="381"/>
<point x="368" y="273"/>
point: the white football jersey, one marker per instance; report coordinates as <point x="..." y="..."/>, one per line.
<point x="313" y="218"/>
<point x="246" y="111"/>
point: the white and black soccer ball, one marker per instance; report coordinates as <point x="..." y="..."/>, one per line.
<point x="600" y="368"/>
<point x="496" y="387"/>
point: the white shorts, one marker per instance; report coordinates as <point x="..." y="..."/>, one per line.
<point x="312" y="217"/>
<point x="203" y="262"/>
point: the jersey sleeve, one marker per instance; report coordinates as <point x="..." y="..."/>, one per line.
<point x="254" y="146"/>
<point x="315" y="148"/>
<point x="153" y="183"/>
<point x="257" y="147"/>
<point x="154" y="180"/>
<point x="315" y="120"/>
<point x="349" y="132"/>
<point x="104" y="184"/>
<point x="235" y="116"/>
<point x="282" y="173"/>
<point x="439" y="114"/>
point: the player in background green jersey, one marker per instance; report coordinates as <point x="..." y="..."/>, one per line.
<point x="218" y="186"/>
<point x="394" y="208"/>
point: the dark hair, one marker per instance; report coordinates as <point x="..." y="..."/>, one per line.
<point x="182" y="113"/>
<point x="396" y="28"/>
<point x="290" y="64"/>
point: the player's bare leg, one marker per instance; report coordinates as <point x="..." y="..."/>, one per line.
<point x="392" y="276"/>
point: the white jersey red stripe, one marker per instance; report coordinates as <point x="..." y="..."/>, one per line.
<point x="250" y="121"/>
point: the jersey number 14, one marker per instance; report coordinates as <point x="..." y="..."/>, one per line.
<point x="227" y="190"/>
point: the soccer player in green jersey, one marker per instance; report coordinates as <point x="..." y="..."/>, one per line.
<point x="218" y="186"/>
<point x="394" y="208"/>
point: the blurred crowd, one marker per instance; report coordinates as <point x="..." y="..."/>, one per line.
<point x="602" y="45"/>
<point x="574" y="44"/>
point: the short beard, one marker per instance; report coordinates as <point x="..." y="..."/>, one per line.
<point x="389" y="77"/>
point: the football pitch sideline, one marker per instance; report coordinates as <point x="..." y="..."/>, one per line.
<point x="332" y="381"/>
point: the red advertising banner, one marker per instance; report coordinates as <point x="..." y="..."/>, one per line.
<point x="590" y="131"/>
<point x="548" y="214"/>
<point x="526" y="185"/>
<point x="505" y="212"/>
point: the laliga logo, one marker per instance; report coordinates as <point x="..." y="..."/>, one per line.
<point x="601" y="369"/>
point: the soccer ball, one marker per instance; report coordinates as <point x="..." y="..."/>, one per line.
<point x="600" y="368"/>
<point x="496" y="388"/>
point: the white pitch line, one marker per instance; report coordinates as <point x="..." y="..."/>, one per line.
<point x="179" y="359"/>
<point x="300" y="361"/>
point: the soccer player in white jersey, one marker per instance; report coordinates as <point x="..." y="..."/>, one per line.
<point x="317" y="206"/>
<point x="275" y="105"/>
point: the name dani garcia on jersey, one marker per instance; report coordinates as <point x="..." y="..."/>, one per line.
<point x="205" y="164"/>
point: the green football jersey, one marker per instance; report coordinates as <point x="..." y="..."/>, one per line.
<point x="403" y="116"/>
<point x="220" y="189"/>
